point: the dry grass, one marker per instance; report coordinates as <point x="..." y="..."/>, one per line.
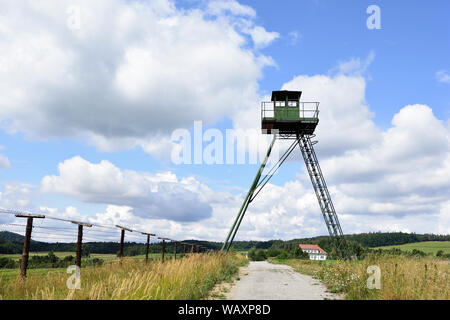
<point x="402" y="277"/>
<point x="188" y="278"/>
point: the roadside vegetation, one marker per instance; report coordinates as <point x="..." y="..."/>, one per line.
<point x="191" y="277"/>
<point x="403" y="277"/>
<point x="261" y="254"/>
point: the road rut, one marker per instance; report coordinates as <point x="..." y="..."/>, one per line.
<point x="262" y="280"/>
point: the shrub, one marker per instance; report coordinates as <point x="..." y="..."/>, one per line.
<point x="257" y="255"/>
<point x="272" y="252"/>
<point x="300" y="254"/>
<point x="8" y="263"/>
<point x="284" y="255"/>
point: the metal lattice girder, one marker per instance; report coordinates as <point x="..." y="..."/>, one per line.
<point x="237" y="222"/>
<point x="323" y="196"/>
<point x="320" y="188"/>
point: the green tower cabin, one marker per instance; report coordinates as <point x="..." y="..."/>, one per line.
<point x="286" y="117"/>
<point x="285" y="114"/>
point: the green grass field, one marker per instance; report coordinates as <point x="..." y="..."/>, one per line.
<point x="190" y="278"/>
<point x="6" y="274"/>
<point x="105" y="257"/>
<point x="426" y="246"/>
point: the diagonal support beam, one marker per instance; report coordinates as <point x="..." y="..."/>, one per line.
<point x="237" y="222"/>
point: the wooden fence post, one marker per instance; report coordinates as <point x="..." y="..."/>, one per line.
<point x="122" y="240"/>
<point x="147" y="245"/>
<point x="175" y="250"/>
<point x="27" y="240"/>
<point x="80" y="241"/>
<point x="163" y="248"/>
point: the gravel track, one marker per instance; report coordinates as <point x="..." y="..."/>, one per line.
<point x="262" y="280"/>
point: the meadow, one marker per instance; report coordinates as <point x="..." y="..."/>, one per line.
<point x="402" y="277"/>
<point x="191" y="277"/>
<point x="104" y="256"/>
<point x="429" y="247"/>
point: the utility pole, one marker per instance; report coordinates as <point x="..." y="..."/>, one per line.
<point x="26" y="243"/>
<point x="147" y="245"/>
<point x="80" y="241"/>
<point x="122" y="239"/>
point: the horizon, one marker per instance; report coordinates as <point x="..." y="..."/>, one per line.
<point x="221" y="242"/>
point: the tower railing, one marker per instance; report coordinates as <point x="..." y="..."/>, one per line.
<point x="306" y="110"/>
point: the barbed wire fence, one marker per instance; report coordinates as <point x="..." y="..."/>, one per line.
<point x="45" y="228"/>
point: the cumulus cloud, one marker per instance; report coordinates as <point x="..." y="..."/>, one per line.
<point x="218" y="7"/>
<point x="16" y="195"/>
<point x="261" y="37"/>
<point x="4" y="162"/>
<point x="345" y="118"/>
<point x="396" y="179"/>
<point x="130" y="72"/>
<point x="160" y="195"/>
<point x="294" y="37"/>
<point x="355" y="66"/>
<point x="442" y="76"/>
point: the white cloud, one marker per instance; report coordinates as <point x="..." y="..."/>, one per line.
<point x="294" y="37"/>
<point x="397" y="179"/>
<point x="442" y="76"/>
<point x="355" y="66"/>
<point x="218" y="7"/>
<point x="16" y="195"/>
<point x="345" y="118"/>
<point x="161" y="195"/>
<point x="4" y="162"/>
<point x="261" y="37"/>
<point x="133" y="71"/>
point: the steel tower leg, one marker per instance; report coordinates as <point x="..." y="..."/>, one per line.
<point x="237" y="222"/>
<point x="323" y="196"/>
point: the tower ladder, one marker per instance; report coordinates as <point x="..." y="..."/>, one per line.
<point x="323" y="196"/>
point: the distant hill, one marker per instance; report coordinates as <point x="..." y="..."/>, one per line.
<point x="11" y="236"/>
<point x="378" y="239"/>
<point x="12" y="243"/>
<point x="7" y="246"/>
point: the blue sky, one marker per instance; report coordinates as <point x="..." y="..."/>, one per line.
<point x="61" y="101"/>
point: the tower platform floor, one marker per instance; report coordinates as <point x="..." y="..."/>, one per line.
<point x="305" y="126"/>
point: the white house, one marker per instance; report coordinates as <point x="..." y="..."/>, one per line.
<point x="315" y="252"/>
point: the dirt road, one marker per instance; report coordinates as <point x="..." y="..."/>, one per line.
<point x="265" y="281"/>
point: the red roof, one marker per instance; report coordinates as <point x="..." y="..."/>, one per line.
<point x="311" y="247"/>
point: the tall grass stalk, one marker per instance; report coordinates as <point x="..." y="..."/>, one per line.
<point x="402" y="277"/>
<point x="189" y="278"/>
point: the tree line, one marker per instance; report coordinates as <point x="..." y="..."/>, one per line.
<point x="13" y="243"/>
